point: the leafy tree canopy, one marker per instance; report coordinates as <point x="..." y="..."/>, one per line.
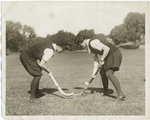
<point x="131" y="30"/>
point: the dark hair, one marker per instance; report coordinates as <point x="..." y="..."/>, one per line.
<point x="65" y="47"/>
<point x="61" y="43"/>
<point x="78" y="39"/>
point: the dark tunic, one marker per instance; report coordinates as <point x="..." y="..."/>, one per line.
<point x="114" y="57"/>
<point x="29" y="57"/>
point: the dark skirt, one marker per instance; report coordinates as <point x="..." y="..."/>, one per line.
<point x="30" y="64"/>
<point x="113" y="61"/>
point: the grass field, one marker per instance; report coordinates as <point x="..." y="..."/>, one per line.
<point x="71" y="70"/>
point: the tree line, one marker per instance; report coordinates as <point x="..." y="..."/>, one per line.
<point x="19" y="36"/>
<point x="132" y="29"/>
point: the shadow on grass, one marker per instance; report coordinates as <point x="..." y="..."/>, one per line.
<point x="100" y="90"/>
<point x="49" y="91"/>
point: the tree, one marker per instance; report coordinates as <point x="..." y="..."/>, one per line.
<point x="18" y="36"/>
<point x="13" y="36"/>
<point x="131" y="30"/>
<point x="67" y="36"/>
<point x="119" y="34"/>
<point x="29" y="35"/>
<point x="87" y="34"/>
<point x="99" y="36"/>
<point x="48" y="36"/>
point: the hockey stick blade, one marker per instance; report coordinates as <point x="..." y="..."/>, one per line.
<point x="59" y="88"/>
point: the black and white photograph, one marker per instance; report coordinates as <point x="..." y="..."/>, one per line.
<point x="74" y="60"/>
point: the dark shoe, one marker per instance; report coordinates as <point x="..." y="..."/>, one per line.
<point x="120" y="98"/>
<point x="39" y="95"/>
<point x="36" y="92"/>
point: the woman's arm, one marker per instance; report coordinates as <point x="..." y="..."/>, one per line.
<point x="96" y="64"/>
<point x="96" y="44"/>
<point x="105" y="52"/>
<point x="42" y="64"/>
<point x="48" y="53"/>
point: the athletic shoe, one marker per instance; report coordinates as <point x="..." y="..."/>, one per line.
<point x="120" y="98"/>
<point x="39" y="95"/>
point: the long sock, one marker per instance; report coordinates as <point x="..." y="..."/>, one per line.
<point x="34" y="85"/>
<point x="115" y="81"/>
<point x="37" y="88"/>
<point x="105" y="83"/>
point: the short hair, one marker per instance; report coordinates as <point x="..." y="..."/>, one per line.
<point x="78" y="39"/>
<point x="61" y="43"/>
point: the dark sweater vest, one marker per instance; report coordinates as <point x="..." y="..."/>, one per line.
<point x="105" y="42"/>
<point x="37" y="51"/>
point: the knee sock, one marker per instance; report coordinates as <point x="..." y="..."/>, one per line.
<point x="105" y="83"/>
<point x="37" y="88"/>
<point x="34" y="85"/>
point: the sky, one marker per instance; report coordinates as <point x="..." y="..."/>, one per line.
<point x="70" y="16"/>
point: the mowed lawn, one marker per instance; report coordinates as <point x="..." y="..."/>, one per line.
<point x="71" y="70"/>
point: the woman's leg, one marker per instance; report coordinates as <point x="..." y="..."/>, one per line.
<point x="34" y="85"/>
<point x="115" y="81"/>
<point x="37" y="88"/>
<point x="104" y="81"/>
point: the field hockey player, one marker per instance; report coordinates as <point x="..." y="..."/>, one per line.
<point x="34" y="60"/>
<point x="110" y="61"/>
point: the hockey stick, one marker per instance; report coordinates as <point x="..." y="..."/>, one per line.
<point x="58" y="87"/>
<point x="87" y="83"/>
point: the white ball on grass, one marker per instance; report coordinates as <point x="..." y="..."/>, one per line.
<point x="86" y="83"/>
